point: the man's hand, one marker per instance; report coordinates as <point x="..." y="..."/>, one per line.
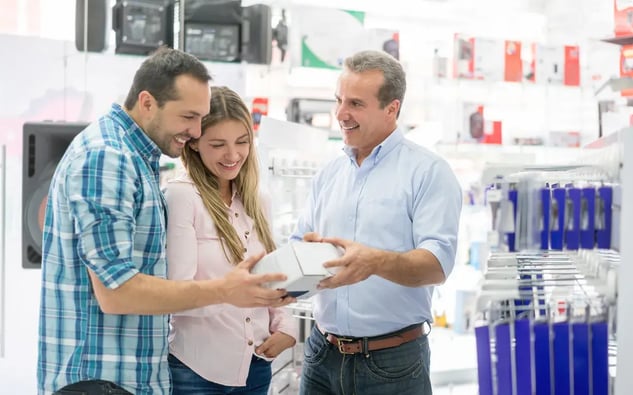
<point x="275" y="344"/>
<point x="312" y="237"/>
<point x="357" y="263"/>
<point x="243" y="289"/>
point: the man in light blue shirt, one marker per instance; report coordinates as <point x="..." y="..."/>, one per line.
<point x="394" y="208"/>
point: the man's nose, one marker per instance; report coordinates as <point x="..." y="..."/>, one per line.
<point x="341" y="113"/>
<point x="196" y="131"/>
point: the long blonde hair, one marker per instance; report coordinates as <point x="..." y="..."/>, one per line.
<point x="227" y="105"/>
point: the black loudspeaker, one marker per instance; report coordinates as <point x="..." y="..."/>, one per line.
<point x="257" y="34"/>
<point x="43" y="145"/>
<point x="90" y="25"/>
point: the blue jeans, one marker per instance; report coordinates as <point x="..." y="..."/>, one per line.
<point x="92" y="387"/>
<point x="187" y="382"/>
<point x="402" y="370"/>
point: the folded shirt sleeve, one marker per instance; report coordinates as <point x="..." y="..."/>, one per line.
<point x="101" y="188"/>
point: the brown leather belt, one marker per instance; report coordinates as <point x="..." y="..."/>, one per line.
<point x="355" y="345"/>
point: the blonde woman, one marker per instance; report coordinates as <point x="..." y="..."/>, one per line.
<point x="216" y="219"/>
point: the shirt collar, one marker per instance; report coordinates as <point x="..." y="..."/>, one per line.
<point x="381" y="150"/>
<point x="138" y="138"/>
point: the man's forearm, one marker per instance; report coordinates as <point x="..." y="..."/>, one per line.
<point x="414" y="268"/>
<point x="149" y="295"/>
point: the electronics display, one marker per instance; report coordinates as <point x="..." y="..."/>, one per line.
<point x="141" y="26"/>
<point x="224" y="31"/>
<point x="318" y="113"/>
<point x="215" y="42"/>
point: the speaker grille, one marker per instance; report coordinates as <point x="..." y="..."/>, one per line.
<point x="31" y="153"/>
<point x="33" y="256"/>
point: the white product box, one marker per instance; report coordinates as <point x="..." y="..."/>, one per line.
<point x="302" y="262"/>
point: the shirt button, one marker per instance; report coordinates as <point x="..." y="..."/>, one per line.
<point x="237" y="215"/>
<point x="247" y="233"/>
<point x="248" y="319"/>
<point x="250" y="342"/>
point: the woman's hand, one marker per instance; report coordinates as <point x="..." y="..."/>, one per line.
<point x="275" y="344"/>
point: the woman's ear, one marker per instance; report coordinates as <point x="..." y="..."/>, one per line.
<point x="194" y="146"/>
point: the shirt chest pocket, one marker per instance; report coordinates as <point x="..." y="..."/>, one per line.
<point x="387" y="222"/>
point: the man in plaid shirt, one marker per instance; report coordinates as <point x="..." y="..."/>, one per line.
<point x="105" y="298"/>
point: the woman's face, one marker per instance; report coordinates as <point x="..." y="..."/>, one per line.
<point x="224" y="148"/>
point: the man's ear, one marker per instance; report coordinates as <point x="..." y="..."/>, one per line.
<point x="146" y="101"/>
<point x="393" y="107"/>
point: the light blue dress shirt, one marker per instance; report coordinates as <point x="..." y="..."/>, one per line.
<point x="401" y="198"/>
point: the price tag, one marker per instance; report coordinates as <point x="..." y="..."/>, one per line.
<point x="493" y="238"/>
<point x="493" y="195"/>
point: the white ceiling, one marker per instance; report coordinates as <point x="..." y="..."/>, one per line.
<point x="444" y="9"/>
<point x="570" y="21"/>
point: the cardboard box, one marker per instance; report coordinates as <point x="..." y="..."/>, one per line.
<point x="302" y="262"/>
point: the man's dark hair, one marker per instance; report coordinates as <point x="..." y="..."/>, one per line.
<point x="158" y="73"/>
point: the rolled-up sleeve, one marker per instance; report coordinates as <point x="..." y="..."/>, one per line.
<point x="436" y="211"/>
<point x="101" y="190"/>
<point x="282" y="321"/>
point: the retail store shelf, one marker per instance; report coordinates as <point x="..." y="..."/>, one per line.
<point x="538" y="154"/>
<point x="623" y="40"/>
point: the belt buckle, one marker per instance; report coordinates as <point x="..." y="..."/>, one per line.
<point x="341" y="341"/>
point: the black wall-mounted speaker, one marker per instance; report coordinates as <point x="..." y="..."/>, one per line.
<point x="90" y="25"/>
<point x="43" y="145"/>
<point x="257" y="34"/>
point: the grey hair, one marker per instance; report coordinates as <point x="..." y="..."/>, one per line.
<point x="395" y="81"/>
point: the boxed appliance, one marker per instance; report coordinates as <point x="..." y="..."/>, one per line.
<point x="302" y="262"/>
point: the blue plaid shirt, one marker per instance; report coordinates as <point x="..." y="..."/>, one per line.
<point x="105" y="212"/>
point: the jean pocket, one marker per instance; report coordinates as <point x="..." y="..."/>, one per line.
<point x="315" y="349"/>
<point x="398" y="362"/>
<point x="172" y="360"/>
<point x="92" y="387"/>
<point x="113" y="389"/>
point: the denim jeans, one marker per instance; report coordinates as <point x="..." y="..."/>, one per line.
<point x="402" y="370"/>
<point x="92" y="387"/>
<point x="187" y="382"/>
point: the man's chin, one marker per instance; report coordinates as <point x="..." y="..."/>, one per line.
<point x="173" y="152"/>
